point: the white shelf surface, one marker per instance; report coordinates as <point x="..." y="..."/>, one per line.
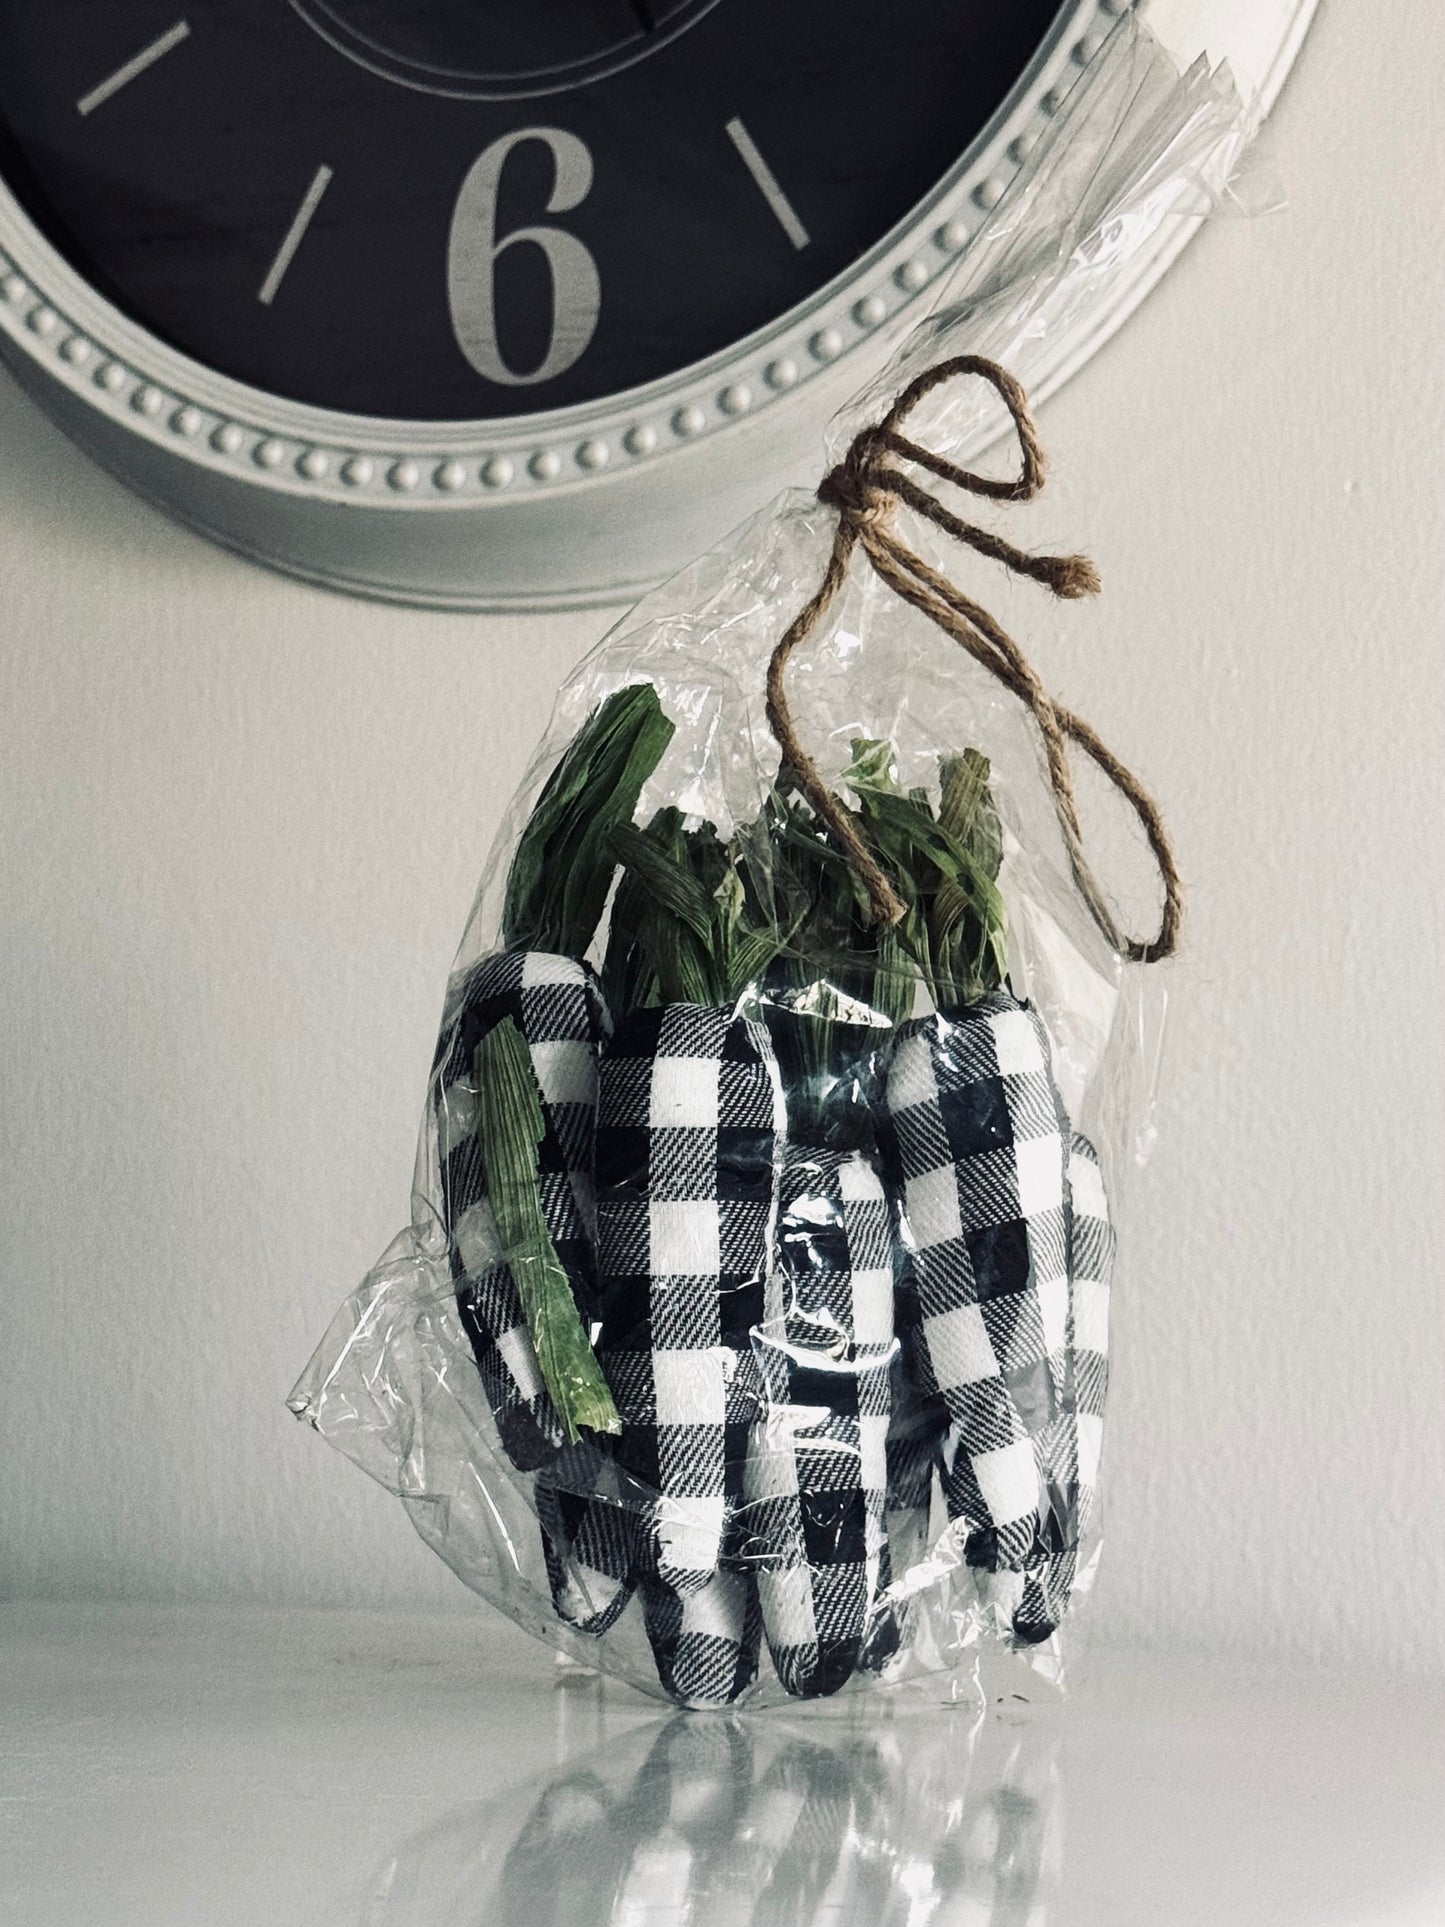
<point x="164" y="1767"/>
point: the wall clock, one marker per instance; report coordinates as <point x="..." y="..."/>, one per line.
<point x="494" y="302"/>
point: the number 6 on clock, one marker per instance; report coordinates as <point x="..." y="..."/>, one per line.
<point x="474" y="250"/>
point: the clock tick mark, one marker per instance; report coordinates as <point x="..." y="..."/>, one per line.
<point x="295" y="234"/>
<point x="767" y="183"/>
<point x="137" y="64"/>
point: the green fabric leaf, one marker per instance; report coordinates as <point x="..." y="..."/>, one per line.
<point x="510" y="1126"/>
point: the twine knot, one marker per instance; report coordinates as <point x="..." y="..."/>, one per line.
<point x="867" y="488"/>
<point x="852" y="487"/>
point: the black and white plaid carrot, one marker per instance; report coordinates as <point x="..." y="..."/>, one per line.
<point x="705" y="1642"/>
<point x="556" y="1005"/>
<point x="1091" y="1273"/>
<point x="813" y="1526"/>
<point x="592" y="1519"/>
<point x="917" y="1426"/>
<point x="980" y="1137"/>
<point x="587" y="1510"/>
<point x="518" y="1052"/>
<point x="690" y="1117"/>
<point x="1032" y="1603"/>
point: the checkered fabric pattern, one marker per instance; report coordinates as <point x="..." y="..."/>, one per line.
<point x="556" y="1003"/>
<point x="1091" y="1272"/>
<point x="916" y="1427"/>
<point x="816" y="1475"/>
<point x="706" y="1642"/>
<point x="1033" y="1603"/>
<point x="980" y="1142"/>
<point x="591" y="1517"/>
<point x="689" y="1128"/>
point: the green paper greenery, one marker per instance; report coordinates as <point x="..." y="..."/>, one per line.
<point x="686" y="925"/>
<point x="945" y="867"/>
<point x="556" y="892"/>
<point x="847" y="980"/>
<point x="696" y="919"/>
<point x="561" y="873"/>
<point x="510" y="1126"/>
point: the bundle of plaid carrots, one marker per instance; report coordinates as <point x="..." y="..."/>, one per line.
<point x="773" y="1223"/>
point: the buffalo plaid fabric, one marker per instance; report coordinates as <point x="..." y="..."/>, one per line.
<point x="1034" y="1601"/>
<point x="916" y="1428"/>
<point x="690" y="1119"/>
<point x="590" y="1513"/>
<point x="816" y="1475"/>
<point x="980" y="1143"/>
<point x="557" y="1005"/>
<point x="1091" y="1271"/>
<point x="705" y="1642"/>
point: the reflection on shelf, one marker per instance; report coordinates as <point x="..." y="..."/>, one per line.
<point x="943" y="1817"/>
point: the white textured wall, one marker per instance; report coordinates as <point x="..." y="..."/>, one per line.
<point x="240" y="823"/>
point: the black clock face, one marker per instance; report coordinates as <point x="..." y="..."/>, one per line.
<point x="461" y="209"/>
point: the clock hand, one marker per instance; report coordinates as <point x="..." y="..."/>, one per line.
<point x="643" y="10"/>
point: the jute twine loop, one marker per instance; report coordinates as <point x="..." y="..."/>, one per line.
<point x="867" y="488"/>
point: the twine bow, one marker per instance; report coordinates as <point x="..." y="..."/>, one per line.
<point x="867" y="488"/>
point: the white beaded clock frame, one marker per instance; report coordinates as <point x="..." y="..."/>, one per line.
<point x="54" y="318"/>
